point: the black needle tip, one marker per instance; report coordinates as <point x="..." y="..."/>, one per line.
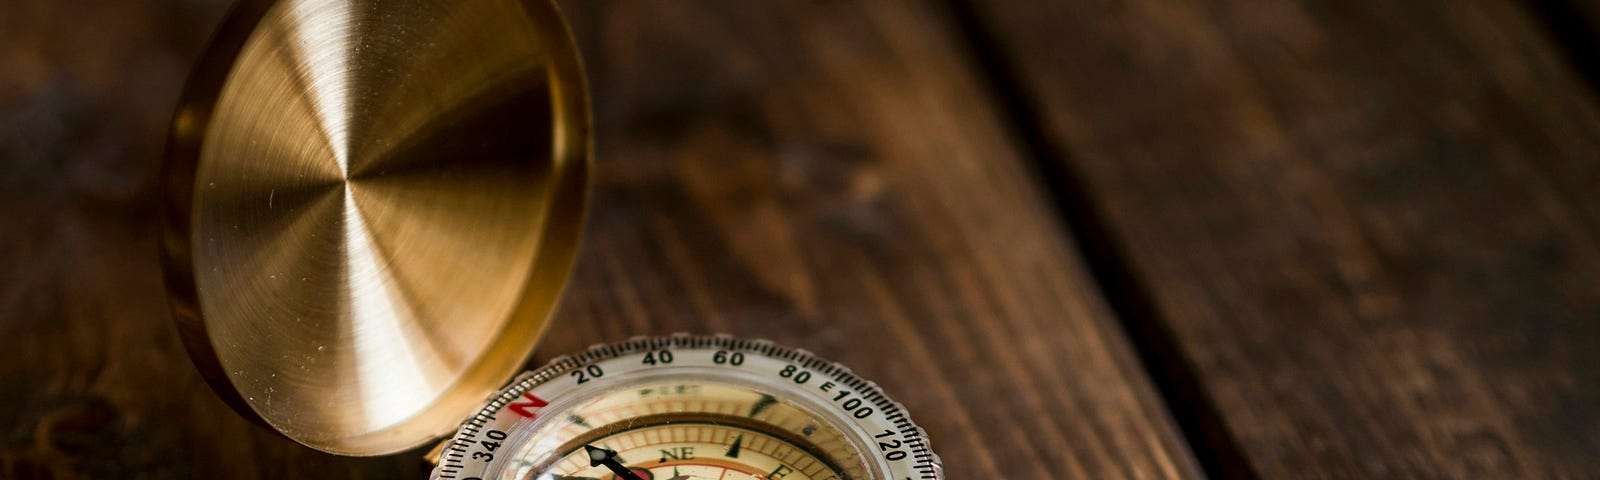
<point x="600" y="456"/>
<point x="597" y="455"/>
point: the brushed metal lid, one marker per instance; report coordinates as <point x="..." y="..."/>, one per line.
<point x="371" y="208"/>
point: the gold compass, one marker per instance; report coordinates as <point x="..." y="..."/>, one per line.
<point x="371" y="208"/>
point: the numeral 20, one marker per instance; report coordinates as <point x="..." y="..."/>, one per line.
<point x="888" y="448"/>
<point x="588" y="373"/>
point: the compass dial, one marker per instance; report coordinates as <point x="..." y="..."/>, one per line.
<point x="694" y="449"/>
<point x="689" y="408"/>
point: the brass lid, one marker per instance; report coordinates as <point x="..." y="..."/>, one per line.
<point x="371" y="208"/>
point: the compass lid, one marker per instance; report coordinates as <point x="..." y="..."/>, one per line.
<point x="371" y="208"/>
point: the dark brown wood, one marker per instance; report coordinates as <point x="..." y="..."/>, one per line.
<point x="1574" y="27"/>
<point x="830" y="175"/>
<point x="826" y="175"/>
<point x="93" y="380"/>
<point x="1370" y="226"/>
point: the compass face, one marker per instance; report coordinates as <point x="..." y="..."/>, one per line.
<point x="689" y="408"/>
<point x="697" y="448"/>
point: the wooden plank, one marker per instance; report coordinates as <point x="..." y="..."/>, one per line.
<point x="824" y="175"/>
<point x="1369" y="225"/>
<point x="829" y="176"/>
<point x="1574" y="27"/>
<point x="93" y="380"/>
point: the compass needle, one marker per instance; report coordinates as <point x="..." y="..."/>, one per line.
<point x="608" y="458"/>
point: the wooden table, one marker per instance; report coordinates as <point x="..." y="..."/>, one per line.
<point x="1083" y="239"/>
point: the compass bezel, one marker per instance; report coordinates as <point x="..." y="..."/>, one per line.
<point x="550" y="392"/>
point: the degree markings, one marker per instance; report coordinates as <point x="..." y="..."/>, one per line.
<point x="889" y="411"/>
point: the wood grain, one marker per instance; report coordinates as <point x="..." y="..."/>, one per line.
<point x="1370" y="226"/>
<point x="826" y="175"/>
<point x="829" y="175"/>
<point x="93" y="380"/>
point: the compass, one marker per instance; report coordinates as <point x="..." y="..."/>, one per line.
<point x="689" y="407"/>
<point x="370" y="209"/>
